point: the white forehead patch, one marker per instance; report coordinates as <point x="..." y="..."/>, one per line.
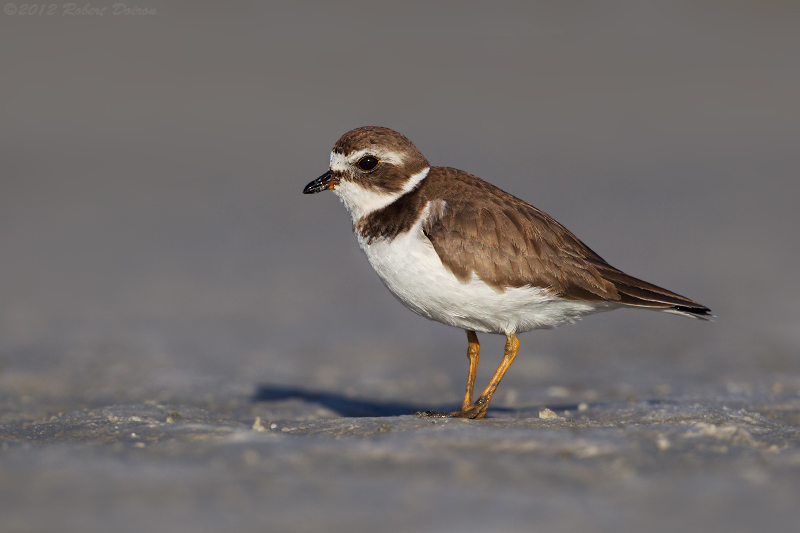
<point x="340" y="162"/>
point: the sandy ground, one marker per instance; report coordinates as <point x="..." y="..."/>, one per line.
<point x="298" y="459"/>
<point x="187" y="343"/>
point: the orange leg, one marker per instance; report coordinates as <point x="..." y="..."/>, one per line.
<point x="473" y="354"/>
<point x="478" y="409"/>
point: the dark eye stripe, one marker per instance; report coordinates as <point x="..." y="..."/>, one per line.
<point x="368" y="162"/>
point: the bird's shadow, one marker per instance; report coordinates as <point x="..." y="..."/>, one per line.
<point x="342" y="405"/>
<point x="347" y="406"/>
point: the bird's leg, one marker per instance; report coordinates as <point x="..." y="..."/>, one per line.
<point x="478" y="409"/>
<point x="473" y="354"/>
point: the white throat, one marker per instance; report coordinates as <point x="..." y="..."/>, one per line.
<point x="360" y="202"/>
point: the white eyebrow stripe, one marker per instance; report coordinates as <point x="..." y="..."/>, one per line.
<point x="340" y="162"/>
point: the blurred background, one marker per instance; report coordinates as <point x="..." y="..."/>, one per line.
<point x="155" y="244"/>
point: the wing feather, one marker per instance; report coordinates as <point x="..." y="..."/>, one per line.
<point x="506" y="242"/>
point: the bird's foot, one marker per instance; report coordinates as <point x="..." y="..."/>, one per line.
<point x="475" y="412"/>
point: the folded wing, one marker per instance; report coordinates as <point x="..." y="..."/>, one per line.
<point x="507" y="243"/>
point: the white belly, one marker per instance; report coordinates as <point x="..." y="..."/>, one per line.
<point x="411" y="269"/>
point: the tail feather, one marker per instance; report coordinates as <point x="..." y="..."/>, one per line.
<point x="637" y="293"/>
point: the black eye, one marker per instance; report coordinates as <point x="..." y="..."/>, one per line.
<point x="367" y="163"/>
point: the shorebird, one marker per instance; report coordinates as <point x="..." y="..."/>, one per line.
<point x="456" y="249"/>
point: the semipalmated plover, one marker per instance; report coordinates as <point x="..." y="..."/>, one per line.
<point x="458" y="250"/>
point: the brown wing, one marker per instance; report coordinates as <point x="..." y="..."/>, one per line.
<point x="506" y="242"/>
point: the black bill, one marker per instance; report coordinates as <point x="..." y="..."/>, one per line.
<point x="322" y="183"/>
